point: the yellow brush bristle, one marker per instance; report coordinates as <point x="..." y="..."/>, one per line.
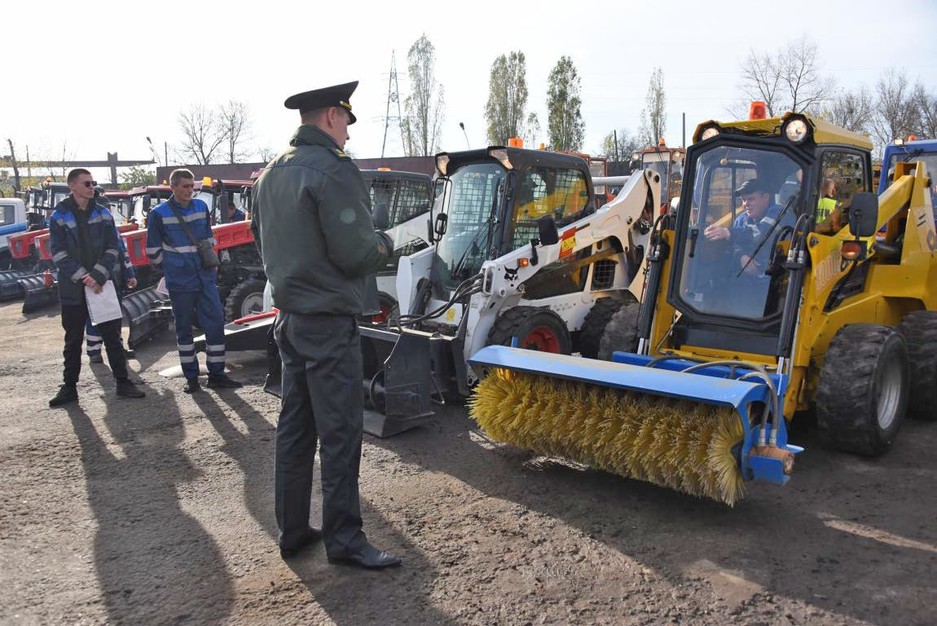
<point x="683" y="445"/>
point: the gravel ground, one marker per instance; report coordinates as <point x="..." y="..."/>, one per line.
<point x="161" y="511"/>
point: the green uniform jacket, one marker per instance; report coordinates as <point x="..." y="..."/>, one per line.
<point x="312" y="223"/>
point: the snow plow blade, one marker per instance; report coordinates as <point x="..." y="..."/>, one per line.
<point x="40" y="292"/>
<point x="693" y="427"/>
<point x="145" y="315"/>
<point x="10" y="287"/>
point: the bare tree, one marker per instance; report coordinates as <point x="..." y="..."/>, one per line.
<point x="654" y="116"/>
<point x="507" y="98"/>
<point x="425" y="103"/>
<point x="266" y="154"/>
<point x="895" y="115"/>
<point x="619" y="144"/>
<point x="789" y="80"/>
<point x="926" y="105"/>
<point x="852" y="110"/>
<point x="235" y="124"/>
<point x="202" y="133"/>
<point x="564" y="124"/>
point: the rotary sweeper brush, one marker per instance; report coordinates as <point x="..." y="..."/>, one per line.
<point x="763" y="298"/>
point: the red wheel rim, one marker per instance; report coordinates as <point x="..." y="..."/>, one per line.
<point x="381" y="317"/>
<point x="542" y="339"/>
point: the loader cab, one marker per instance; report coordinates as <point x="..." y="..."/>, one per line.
<point x="912" y="151"/>
<point x="493" y="199"/>
<point x="749" y="189"/>
<point x="666" y="162"/>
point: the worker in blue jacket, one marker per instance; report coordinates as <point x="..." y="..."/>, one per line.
<point x="83" y="242"/>
<point x="171" y="246"/>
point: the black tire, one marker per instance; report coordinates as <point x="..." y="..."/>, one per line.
<point x="593" y="327"/>
<point x="246" y="298"/>
<point x="621" y="332"/>
<point x="863" y="391"/>
<point x="919" y="330"/>
<point x="6" y="260"/>
<point x="536" y="328"/>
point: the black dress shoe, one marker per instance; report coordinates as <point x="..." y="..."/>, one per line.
<point x="191" y="386"/>
<point x="126" y="389"/>
<point x="312" y="536"/>
<point x="66" y="394"/>
<point x="223" y="382"/>
<point x="368" y="558"/>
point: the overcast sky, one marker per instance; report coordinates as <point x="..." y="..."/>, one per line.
<point x="101" y="76"/>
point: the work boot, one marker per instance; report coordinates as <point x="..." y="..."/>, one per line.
<point x="368" y="557"/>
<point x="312" y="536"/>
<point x="67" y="393"/>
<point x="191" y="385"/>
<point x="95" y="357"/>
<point x="223" y="381"/>
<point x="126" y="389"/>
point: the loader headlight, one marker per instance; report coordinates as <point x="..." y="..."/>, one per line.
<point x="796" y="129"/>
<point x="708" y="132"/>
<point x="442" y="163"/>
<point x="501" y="155"/>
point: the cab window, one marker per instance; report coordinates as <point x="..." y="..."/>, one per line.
<point x="7" y="214"/>
<point x="542" y="191"/>
<point x="842" y="175"/>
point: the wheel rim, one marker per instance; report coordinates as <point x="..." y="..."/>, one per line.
<point x="381" y="317"/>
<point x="889" y="392"/>
<point x="253" y="303"/>
<point x="542" y="339"/>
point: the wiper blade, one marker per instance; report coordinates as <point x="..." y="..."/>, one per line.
<point x="767" y="235"/>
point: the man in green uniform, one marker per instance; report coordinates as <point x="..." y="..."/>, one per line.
<point x="312" y="222"/>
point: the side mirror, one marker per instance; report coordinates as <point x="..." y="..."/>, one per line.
<point x="863" y="214"/>
<point x="380" y="216"/>
<point x="546" y="226"/>
<point x="439" y="227"/>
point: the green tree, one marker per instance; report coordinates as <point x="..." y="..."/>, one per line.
<point x="425" y="104"/>
<point x="507" y="98"/>
<point x="564" y="119"/>
<point x="654" y="116"/>
<point x="137" y="176"/>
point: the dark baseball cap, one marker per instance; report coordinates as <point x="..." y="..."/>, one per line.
<point x="752" y="185"/>
<point x="334" y="96"/>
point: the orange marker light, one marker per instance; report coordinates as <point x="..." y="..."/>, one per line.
<point x="853" y="250"/>
<point x="523" y="262"/>
<point x="757" y="110"/>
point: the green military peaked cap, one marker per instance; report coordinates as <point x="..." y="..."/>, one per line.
<point x="334" y="96"/>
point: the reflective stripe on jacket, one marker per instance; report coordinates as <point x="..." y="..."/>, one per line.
<point x="65" y="248"/>
<point x="170" y="249"/>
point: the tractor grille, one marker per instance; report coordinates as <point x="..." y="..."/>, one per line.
<point x="603" y="275"/>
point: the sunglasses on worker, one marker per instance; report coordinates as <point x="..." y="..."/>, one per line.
<point x="90" y="183"/>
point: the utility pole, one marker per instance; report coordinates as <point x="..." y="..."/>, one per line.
<point x="393" y="96"/>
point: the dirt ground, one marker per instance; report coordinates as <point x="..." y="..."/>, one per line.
<point x="161" y="511"/>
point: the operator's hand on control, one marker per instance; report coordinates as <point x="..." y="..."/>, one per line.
<point x="90" y="282"/>
<point x="716" y="233"/>
<point x="131" y="283"/>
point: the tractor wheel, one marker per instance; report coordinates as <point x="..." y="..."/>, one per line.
<point x="593" y="327"/>
<point x="6" y="260"/>
<point x="536" y="328"/>
<point x="919" y="330"/>
<point x="863" y="390"/>
<point x="621" y="332"/>
<point x="246" y="298"/>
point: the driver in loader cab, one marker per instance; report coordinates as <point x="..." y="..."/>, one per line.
<point x="749" y="228"/>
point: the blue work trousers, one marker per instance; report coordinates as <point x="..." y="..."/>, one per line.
<point x="203" y="308"/>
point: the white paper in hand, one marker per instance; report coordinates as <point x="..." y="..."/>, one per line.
<point x="104" y="306"/>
